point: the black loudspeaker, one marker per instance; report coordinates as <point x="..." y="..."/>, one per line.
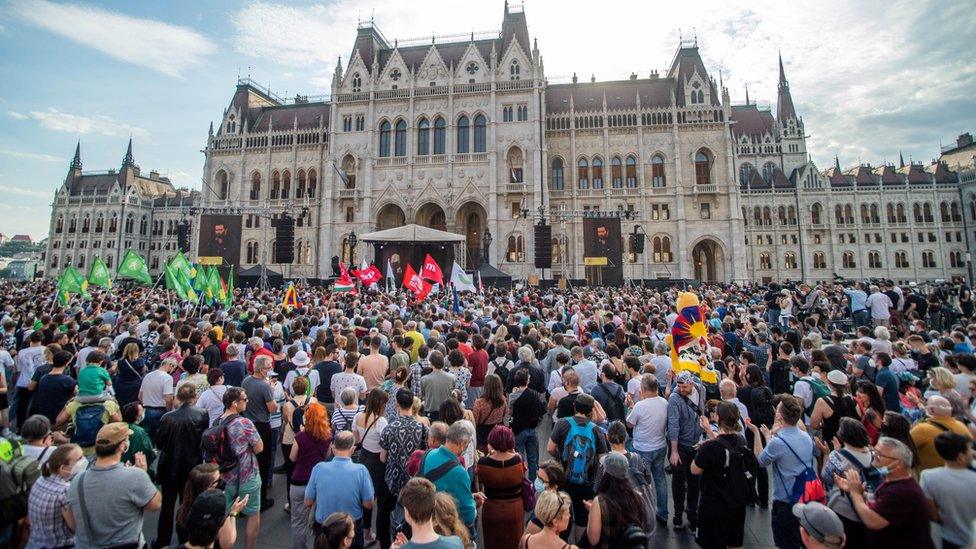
<point x="543" y="246"/>
<point x="285" y="240"/>
<point x="638" y="243"/>
<point x="183" y="236"/>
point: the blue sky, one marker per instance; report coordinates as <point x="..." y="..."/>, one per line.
<point x="870" y="78"/>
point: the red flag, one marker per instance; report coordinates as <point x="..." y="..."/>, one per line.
<point x="368" y="276"/>
<point x="431" y="271"/>
<point x="424" y="290"/>
<point x="412" y="280"/>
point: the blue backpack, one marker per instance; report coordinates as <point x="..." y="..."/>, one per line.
<point x="88" y="420"/>
<point x="578" y="451"/>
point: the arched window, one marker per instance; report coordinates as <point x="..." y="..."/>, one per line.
<point x="423" y="137"/>
<point x="631" y="172"/>
<point x="875" y="215"/>
<point x="99" y="223"/>
<point x="463" y="134"/>
<point x="944" y="212"/>
<point x="865" y="218"/>
<point x="917" y="212"/>
<point x="222" y="185"/>
<point x="900" y="213"/>
<point x="657" y="171"/>
<point x="285" y="185"/>
<point x="72" y="224"/>
<point x="661" y="246"/>
<point x="129" y="224"/>
<point x="972" y="208"/>
<point x="815" y="213"/>
<point x="901" y="260"/>
<point x="767" y="216"/>
<point x="847" y="260"/>
<point x="819" y="261"/>
<point x="890" y="213"/>
<point x="789" y="260"/>
<point x="597" y="173"/>
<point x="302" y="184"/>
<point x="480" y="134"/>
<point x="849" y="214"/>
<point x="514" y="71"/>
<point x="768" y="170"/>
<point x="255" y="186"/>
<point x="439" y="135"/>
<point x="703" y="169"/>
<point x="515" y="251"/>
<point x="86" y="224"/>
<point x="558" y="180"/>
<point x="954" y="211"/>
<point x="874" y="260"/>
<point x="616" y="173"/>
<point x="312" y="183"/>
<point x="583" y="174"/>
<point x="251" y="255"/>
<point x="745" y="173"/>
<point x="113" y="224"/>
<point x="757" y="215"/>
<point x="927" y="211"/>
<point x="143" y="225"/>
<point x="791" y="215"/>
<point x="81" y="262"/>
<point x="54" y="262"/>
<point x="781" y="215"/>
<point x="59" y="227"/>
<point x="275" y="185"/>
<point x="765" y="261"/>
<point x="401" y="138"/>
<point x="928" y="260"/>
<point x="838" y="214"/>
<point x="385" y="138"/>
<point x="357" y="83"/>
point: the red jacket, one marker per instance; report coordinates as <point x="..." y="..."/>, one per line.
<point x="259" y="352"/>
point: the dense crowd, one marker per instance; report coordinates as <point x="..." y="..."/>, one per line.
<point x="525" y="418"/>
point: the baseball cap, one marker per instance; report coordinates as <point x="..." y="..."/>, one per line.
<point x="837" y="377"/>
<point x="615" y="465"/>
<point x="113" y="433"/>
<point x="208" y="511"/>
<point x="820" y="522"/>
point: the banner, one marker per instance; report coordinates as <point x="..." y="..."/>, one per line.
<point x="220" y="236"/>
<point x="603" y="251"/>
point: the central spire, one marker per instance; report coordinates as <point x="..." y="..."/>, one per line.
<point x="76" y="161"/>
<point x="784" y="102"/>
<point x="783" y="84"/>
<point x="128" y="160"/>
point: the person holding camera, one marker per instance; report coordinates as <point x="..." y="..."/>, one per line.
<point x="685" y="407"/>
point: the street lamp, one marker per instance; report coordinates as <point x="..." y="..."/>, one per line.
<point x="353" y="239"/>
<point x="486" y="241"/>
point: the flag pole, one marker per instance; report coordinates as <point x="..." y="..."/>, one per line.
<point x="153" y="287"/>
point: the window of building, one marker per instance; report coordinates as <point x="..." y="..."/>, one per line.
<point x="558" y="180"/>
<point x="631" y="172"/>
<point x="463" y="134"/>
<point x="515" y="251"/>
<point x="480" y="133"/>
<point x="765" y="261"/>
<point x="815" y="213"/>
<point x="657" y="171"/>
<point x="661" y="247"/>
<point x="901" y="260"/>
<point x="347" y="123"/>
<point x="514" y="70"/>
<point x="616" y="173"/>
<point x="928" y="260"/>
<point x="400" y="146"/>
<point x="516" y="210"/>
<point x="789" y="260"/>
<point x="847" y="260"/>
<point x="360" y="122"/>
<point x="439" y="135"/>
<point x="874" y="260"/>
<point x="597" y="173"/>
<point x="350" y="214"/>
<point x="423" y="137"/>
<point x="357" y="83"/>
<point x="703" y="169"/>
<point x="819" y="261"/>
<point x="523" y="113"/>
<point x="385" y="138"/>
<point x="507" y="113"/>
<point x="285" y="185"/>
<point x="706" y="210"/>
<point x="583" y="174"/>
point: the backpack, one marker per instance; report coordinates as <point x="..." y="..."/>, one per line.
<point x="761" y="410"/>
<point x="739" y="475"/>
<point x="215" y="445"/>
<point x="643" y="482"/>
<point x="839" y="501"/>
<point x="88" y="420"/>
<point x="308" y="381"/>
<point x="17" y="474"/>
<point x="806" y="486"/>
<point x="615" y="411"/>
<point x="819" y="389"/>
<point x="578" y="451"/>
<point x="631" y="537"/>
<point x="298" y="416"/>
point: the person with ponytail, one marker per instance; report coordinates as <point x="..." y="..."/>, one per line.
<point x="338" y="532"/>
<point x="49" y="527"/>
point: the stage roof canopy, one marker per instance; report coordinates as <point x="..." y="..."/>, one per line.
<point x="411" y="233"/>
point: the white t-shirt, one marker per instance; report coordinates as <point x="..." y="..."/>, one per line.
<point x="342" y="380"/>
<point x="662" y="365"/>
<point x="6" y="360"/>
<point x="27" y="361"/>
<point x="313" y="378"/>
<point x="952" y="490"/>
<point x="372" y="441"/>
<point x="650" y="420"/>
<point x="213" y="401"/>
<point x="634" y="388"/>
<point x="155" y="386"/>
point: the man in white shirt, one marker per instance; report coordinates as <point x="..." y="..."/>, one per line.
<point x="879" y="304"/>
<point x="586" y="369"/>
<point x="27" y="361"/>
<point x="662" y="363"/>
<point x="156" y="395"/>
<point x="649" y="419"/>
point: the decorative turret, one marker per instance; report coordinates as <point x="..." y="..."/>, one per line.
<point x="784" y="102"/>
<point x="76" y="161"/>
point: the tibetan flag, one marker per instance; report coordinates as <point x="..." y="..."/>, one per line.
<point x="99" y="275"/>
<point x="461" y="280"/>
<point x="369" y="275"/>
<point x="431" y="270"/>
<point x="412" y="280"/>
<point x="291" y="298"/>
<point x="134" y="267"/>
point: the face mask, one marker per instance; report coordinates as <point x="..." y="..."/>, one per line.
<point x="539" y="485"/>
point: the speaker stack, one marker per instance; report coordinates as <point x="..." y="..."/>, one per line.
<point x="285" y="240"/>
<point x="543" y="246"/>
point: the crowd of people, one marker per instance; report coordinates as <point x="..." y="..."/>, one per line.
<point x="842" y="415"/>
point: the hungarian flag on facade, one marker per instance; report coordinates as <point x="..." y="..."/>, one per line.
<point x="291" y="298"/>
<point x="431" y="270"/>
<point x="134" y="267"/>
<point x="99" y="275"/>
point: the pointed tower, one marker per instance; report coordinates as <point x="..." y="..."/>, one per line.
<point x="901" y="160"/>
<point x="76" y="161"/>
<point x="784" y="102"/>
<point x="128" y="160"/>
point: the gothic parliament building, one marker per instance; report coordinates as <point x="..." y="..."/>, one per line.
<point x="468" y="136"/>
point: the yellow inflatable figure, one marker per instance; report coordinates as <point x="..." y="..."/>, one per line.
<point x="689" y="339"/>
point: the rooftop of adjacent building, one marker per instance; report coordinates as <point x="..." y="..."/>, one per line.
<point x="101" y="183"/>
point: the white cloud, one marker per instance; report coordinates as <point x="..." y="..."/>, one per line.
<point x="56" y="120"/>
<point x="31" y="156"/>
<point x="169" y="49"/>
<point x="859" y="96"/>
<point x="180" y="178"/>
<point x="17" y="115"/>
<point x="25" y="192"/>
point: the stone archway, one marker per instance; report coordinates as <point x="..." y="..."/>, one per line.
<point x="390" y="216"/>
<point x="471" y="222"/>
<point x="708" y="261"/>
<point x="433" y="216"/>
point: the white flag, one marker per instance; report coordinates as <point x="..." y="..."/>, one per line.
<point x="461" y="280"/>
<point x="390" y="279"/>
<point x="481" y="287"/>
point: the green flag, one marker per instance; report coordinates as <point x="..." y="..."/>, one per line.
<point x="215" y="287"/>
<point x="201" y="281"/>
<point x="99" y="275"/>
<point x="134" y="267"/>
<point x="229" y="290"/>
<point x="181" y="264"/>
<point x="173" y="283"/>
<point x="71" y="282"/>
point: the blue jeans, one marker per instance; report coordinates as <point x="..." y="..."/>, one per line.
<point x="150" y="421"/>
<point x="527" y="444"/>
<point x="861" y="318"/>
<point x="655" y="461"/>
<point x="275" y="439"/>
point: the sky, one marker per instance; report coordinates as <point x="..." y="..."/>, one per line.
<point x="871" y="79"/>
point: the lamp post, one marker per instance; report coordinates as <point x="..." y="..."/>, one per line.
<point x="486" y="244"/>
<point x="353" y="239"/>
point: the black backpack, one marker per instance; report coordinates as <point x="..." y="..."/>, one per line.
<point x="760" y="406"/>
<point x="298" y="416"/>
<point x="615" y="411"/>
<point x="215" y="445"/>
<point x="739" y="475"/>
